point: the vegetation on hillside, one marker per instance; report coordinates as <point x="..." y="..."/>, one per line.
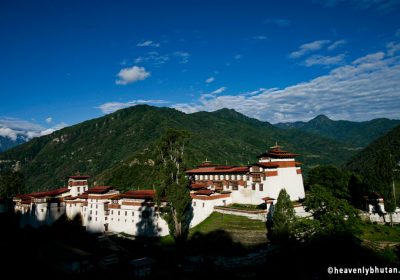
<point x="119" y="149"/>
<point x="378" y="167"/>
<point x="358" y="134"/>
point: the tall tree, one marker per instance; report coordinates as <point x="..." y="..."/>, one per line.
<point x="383" y="179"/>
<point x="336" y="216"/>
<point x="174" y="185"/>
<point x="283" y="219"/>
<point x="11" y="183"/>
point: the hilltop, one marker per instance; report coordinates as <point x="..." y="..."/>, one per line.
<point x="358" y="134"/>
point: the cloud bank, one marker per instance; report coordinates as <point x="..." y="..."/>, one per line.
<point x="13" y="128"/>
<point x="367" y="88"/>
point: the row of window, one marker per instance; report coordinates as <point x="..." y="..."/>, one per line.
<point x="221" y="177"/>
<point x="194" y="204"/>
<point x="253" y="187"/>
<point x="119" y="213"/>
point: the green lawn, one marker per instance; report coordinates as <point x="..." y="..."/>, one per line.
<point x="241" y="229"/>
<point x="385" y="233"/>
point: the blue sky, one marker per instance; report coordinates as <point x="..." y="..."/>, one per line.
<point x="63" y="62"/>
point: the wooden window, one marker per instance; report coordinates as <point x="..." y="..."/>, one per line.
<point x="126" y="213"/>
<point x="253" y="187"/>
<point x="203" y="204"/>
<point x="194" y="203"/>
<point x="261" y="187"/>
<point x="133" y="213"/>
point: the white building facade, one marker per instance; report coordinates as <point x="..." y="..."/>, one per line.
<point x="275" y="170"/>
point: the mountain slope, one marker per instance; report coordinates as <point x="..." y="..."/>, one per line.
<point x="364" y="162"/>
<point x="119" y="148"/>
<point x="358" y="134"/>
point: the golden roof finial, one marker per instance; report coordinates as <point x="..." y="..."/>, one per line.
<point x="276" y="145"/>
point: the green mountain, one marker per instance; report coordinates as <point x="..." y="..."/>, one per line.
<point x="119" y="148"/>
<point x="357" y="134"/>
<point x="365" y="161"/>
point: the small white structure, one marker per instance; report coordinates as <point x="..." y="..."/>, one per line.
<point x="203" y="203"/>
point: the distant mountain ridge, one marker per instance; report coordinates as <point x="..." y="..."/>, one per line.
<point x="358" y="134"/>
<point x="119" y="148"/>
<point x="8" y="143"/>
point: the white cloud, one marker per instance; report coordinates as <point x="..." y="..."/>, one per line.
<point x="336" y="44"/>
<point x="131" y="75"/>
<point x="210" y="80"/>
<point x="8" y="132"/>
<point x="392" y="48"/>
<point x="110" y="107"/>
<point x="152" y="57"/>
<point x="49" y="120"/>
<point x="218" y="91"/>
<point x="184" y="56"/>
<point x="367" y="88"/>
<point x="148" y="43"/>
<point x="260" y="37"/>
<point x="309" y="47"/>
<point x="238" y="56"/>
<point x="12" y="128"/>
<point x="324" y="60"/>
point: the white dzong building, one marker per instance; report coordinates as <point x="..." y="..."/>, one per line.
<point x="253" y="184"/>
<point x="105" y="209"/>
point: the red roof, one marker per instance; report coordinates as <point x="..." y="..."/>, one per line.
<point x="277" y="152"/>
<point x="197" y="186"/>
<point x="219" y="169"/>
<point x="51" y="193"/>
<point x="79" y="177"/>
<point x="139" y="194"/>
<point x="268" y="164"/>
<point x="84" y="195"/>
<point x="204" y="192"/>
<point x="99" y="189"/>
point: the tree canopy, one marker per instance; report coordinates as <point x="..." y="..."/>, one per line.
<point x="283" y="219"/>
<point x="174" y="185"/>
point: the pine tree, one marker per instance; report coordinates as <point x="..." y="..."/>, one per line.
<point x="384" y="179"/>
<point x="174" y="185"/>
<point x="283" y="220"/>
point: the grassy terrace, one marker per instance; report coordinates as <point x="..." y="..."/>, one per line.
<point x="380" y="233"/>
<point x="241" y="229"/>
